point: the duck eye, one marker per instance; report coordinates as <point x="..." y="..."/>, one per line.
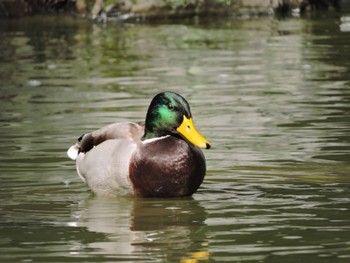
<point x="170" y="107"/>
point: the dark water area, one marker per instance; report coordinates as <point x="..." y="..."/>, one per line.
<point x="272" y="96"/>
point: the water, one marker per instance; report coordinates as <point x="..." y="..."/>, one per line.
<point x="272" y="96"/>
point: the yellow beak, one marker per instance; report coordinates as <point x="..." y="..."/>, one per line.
<point x="189" y="131"/>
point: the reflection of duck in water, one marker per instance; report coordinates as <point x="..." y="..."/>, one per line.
<point x="160" y="158"/>
<point x="157" y="214"/>
<point x="172" y="229"/>
<point x="144" y="229"/>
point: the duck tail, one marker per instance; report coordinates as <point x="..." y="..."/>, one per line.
<point x="73" y="152"/>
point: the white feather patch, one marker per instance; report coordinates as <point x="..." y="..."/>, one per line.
<point x="154" y="139"/>
<point x="73" y="152"/>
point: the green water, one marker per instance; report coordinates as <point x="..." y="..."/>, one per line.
<point x="272" y="96"/>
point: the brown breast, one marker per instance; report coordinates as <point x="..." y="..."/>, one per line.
<point x="168" y="167"/>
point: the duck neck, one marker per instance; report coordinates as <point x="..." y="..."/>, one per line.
<point x="149" y="134"/>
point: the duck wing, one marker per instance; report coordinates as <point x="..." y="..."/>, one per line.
<point x="120" y="130"/>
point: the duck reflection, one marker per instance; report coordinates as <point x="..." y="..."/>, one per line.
<point x="145" y="229"/>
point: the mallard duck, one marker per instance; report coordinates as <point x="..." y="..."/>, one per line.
<point x="160" y="157"/>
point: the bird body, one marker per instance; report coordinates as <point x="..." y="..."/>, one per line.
<point x="158" y="158"/>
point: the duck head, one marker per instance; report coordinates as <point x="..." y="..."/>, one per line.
<point x="169" y="114"/>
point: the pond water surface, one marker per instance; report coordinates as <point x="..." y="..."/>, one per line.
<point x="272" y="96"/>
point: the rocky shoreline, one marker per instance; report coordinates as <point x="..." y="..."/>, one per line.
<point x="148" y="9"/>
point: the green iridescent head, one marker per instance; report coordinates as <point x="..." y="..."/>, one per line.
<point x="169" y="114"/>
